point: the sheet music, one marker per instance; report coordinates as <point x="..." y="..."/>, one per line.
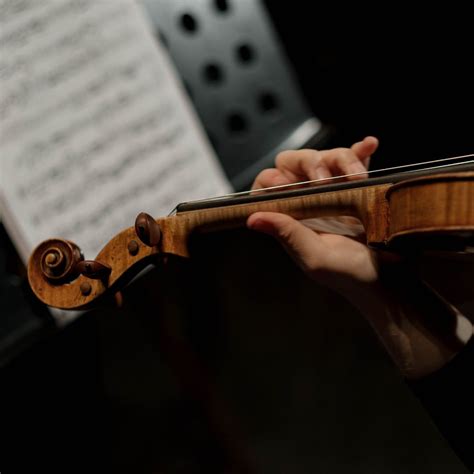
<point x="95" y="126"/>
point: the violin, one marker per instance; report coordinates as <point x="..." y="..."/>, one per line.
<point x="407" y="211"/>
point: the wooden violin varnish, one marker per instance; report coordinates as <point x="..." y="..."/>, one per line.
<point x="416" y="211"/>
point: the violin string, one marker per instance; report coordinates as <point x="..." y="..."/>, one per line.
<point x="333" y="178"/>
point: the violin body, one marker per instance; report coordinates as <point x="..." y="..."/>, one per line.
<point x="425" y="211"/>
<point x="432" y="210"/>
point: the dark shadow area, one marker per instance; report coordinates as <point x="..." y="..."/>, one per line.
<point x="230" y="362"/>
<point x="402" y="75"/>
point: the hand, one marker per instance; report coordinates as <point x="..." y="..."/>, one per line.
<point x="332" y="260"/>
<point x="420" y="338"/>
<point x="305" y="165"/>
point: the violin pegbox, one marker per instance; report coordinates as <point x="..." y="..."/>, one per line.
<point x="60" y="276"/>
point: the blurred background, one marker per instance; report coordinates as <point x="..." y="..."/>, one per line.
<point x="234" y="361"/>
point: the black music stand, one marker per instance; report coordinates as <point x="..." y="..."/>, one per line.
<point x="241" y="83"/>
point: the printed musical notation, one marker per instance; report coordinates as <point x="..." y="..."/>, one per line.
<point x="95" y="126"/>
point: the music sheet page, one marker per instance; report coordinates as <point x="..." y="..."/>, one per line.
<point x="95" y="126"/>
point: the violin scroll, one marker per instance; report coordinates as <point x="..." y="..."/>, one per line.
<point x="58" y="260"/>
<point x="60" y="277"/>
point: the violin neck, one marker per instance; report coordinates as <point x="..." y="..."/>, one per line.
<point x="253" y="197"/>
<point x="363" y="199"/>
<point x="366" y="203"/>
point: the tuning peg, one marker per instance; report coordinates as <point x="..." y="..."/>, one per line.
<point x="93" y="269"/>
<point x="147" y="229"/>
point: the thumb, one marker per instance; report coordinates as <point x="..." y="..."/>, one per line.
<point x="303" y="244"/>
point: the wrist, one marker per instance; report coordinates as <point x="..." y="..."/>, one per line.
<point x="421" y="331"/>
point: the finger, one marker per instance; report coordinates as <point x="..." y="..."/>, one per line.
<point x="303" y="245"/>
<point x="309" y="164"/>
<point x="302" y="165"/>
<point x="365" y="148"/>
<point x="349" y="161"/>
<point x="270" y="177"/>
<point x="342" y="162"/>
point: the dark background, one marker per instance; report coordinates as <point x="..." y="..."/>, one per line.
<point x="237" y="359"/>
<point x="401" y="73"/>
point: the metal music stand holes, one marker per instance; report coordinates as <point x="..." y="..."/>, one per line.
<point x="241" y="84"/>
